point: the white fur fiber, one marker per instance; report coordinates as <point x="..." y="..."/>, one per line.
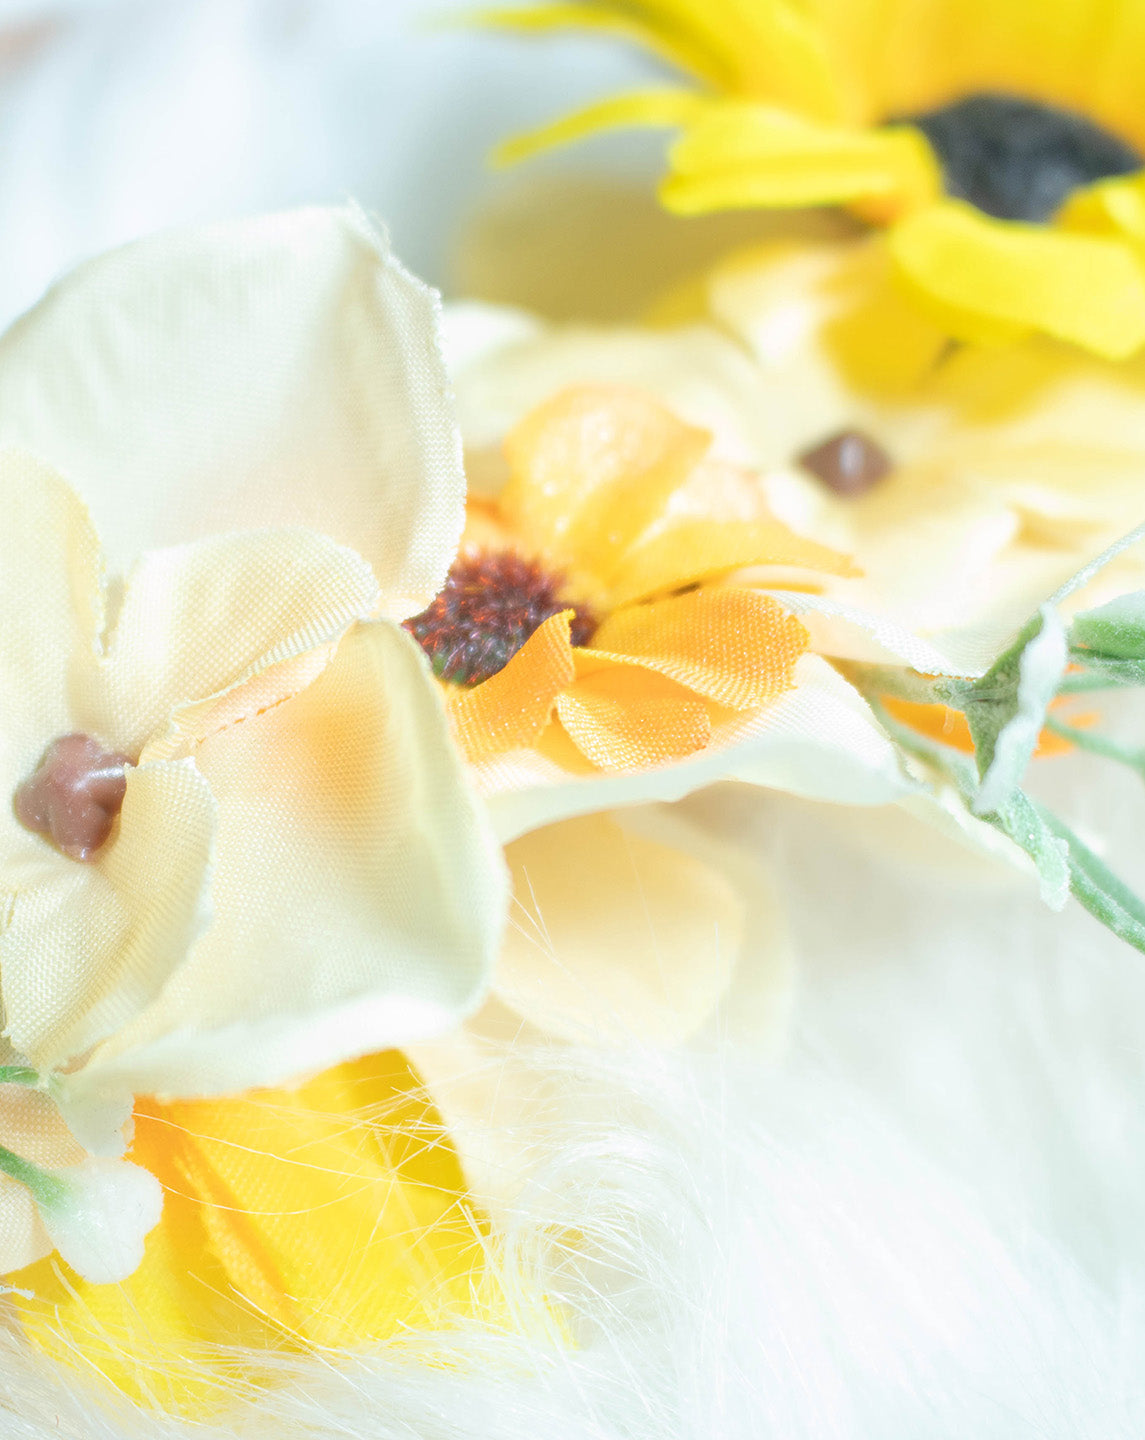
<point x="922" y="1221"/>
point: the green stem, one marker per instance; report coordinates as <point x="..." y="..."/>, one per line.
<point x="48" y="1189"/>
<point x="18" y="1075"/>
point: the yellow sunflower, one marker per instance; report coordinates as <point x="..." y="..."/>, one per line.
<point x="1001" y="143"/>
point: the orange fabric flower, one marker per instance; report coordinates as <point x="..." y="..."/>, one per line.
<point x="628" y="537"/>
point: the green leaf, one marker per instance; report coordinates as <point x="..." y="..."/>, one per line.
<point x="1025" y="824"/>
<point x="1104" y="894"/>
<point x="1115" y="630"/>
<point x="1006" y="708"/>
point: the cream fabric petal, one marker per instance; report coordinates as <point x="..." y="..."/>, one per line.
<point x="358" y="893"/>
<point x="819" y="740"/>
<point x="86" y="946"/>
<point x="50" y="599"/>
<point x="198" y="620"/>
<point x="277" y="371"/>
<point x="615" y="934"/>
<point x="23" y="1238"/>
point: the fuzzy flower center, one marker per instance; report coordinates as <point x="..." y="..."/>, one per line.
<point x="493" y="600"/>
<point x="74" y="795"/>
<point x="1020" y="159"/>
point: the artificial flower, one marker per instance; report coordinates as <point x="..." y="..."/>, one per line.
<point x="1002" y="144"/>
<point x="582" y="607"/>
<point x="1004" y="470"/>
<point x="174" y="385"/>
<point x="292" y="870"/>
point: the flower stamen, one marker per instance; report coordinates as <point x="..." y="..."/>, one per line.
<point x="492" y="602"/>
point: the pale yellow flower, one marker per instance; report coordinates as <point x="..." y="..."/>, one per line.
<point x="288" y="412"/>
<point x="299" y="872"/>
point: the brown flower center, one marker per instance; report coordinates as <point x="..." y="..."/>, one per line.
<point x="849" y="463"/>
<point x="75" y="794"/>
<point x="493" y="600"/>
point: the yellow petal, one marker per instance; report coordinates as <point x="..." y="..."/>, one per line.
<point x="511" y="708"/>
<point x="732" y="645"/>
<point x="1085" y="289"/>
<point x="358" y="897"/>
<point x="1111" y="207"/>
<point x="623" y="718"/>
<point x="774" y="49"/>
<point x="614" y="934"/>
<point x="914" y="56"/>
<point x="185" y="394"/>
<point x="591" y="468"/>
<point x="200" y="621"/>
<point x="739" y="154"/>
<point x="331" y="1215"/>
<point x="661" y="107"/>
<point x="689" y="551"/>
<point x="86" y="946"/>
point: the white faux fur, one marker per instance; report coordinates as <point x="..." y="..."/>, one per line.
<point x="924" y="1220"/>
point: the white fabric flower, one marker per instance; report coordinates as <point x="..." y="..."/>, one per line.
<point x="299" y="872"/>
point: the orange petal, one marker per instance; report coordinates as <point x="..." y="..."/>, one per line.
<point x="625" y="718"/>
<point x="591" y="469"/>
<point x="732" y="645"/>
<point x="695" y="550"/>
<point x="511" y="708"/>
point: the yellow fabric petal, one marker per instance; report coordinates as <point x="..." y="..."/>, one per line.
<point x="1085" y="289"/>
<point x="615" y="934"/>
<point x="622" y="717"/>
<point x="511" y="708"/>
<point x="331" y="1215"/>
<point x="281" y="371"/>
<point x="357" y="894"/>
<point x="199" y="620"/>
<point x="661" y="107"/>
<point x="774" y="49"/>
<point x="689" y="551"/>
<point x="591" y="469"/>
<point x="86" y="946"/>
<point x="1111" y="207"/>
<point x="739" y="154"/>
<point x="732" y="645"/>
<point x="917" y="54"/>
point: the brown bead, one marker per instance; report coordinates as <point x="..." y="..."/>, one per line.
<point x="849" y="463"/>
<point x="74" y="795"/>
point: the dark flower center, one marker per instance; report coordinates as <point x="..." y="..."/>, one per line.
<point x="492" y="602"/>
<point x="74" y="795"/>
<point x="1020" y="159"/>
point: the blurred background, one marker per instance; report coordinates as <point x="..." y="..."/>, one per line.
<point x="120" y="117"/>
